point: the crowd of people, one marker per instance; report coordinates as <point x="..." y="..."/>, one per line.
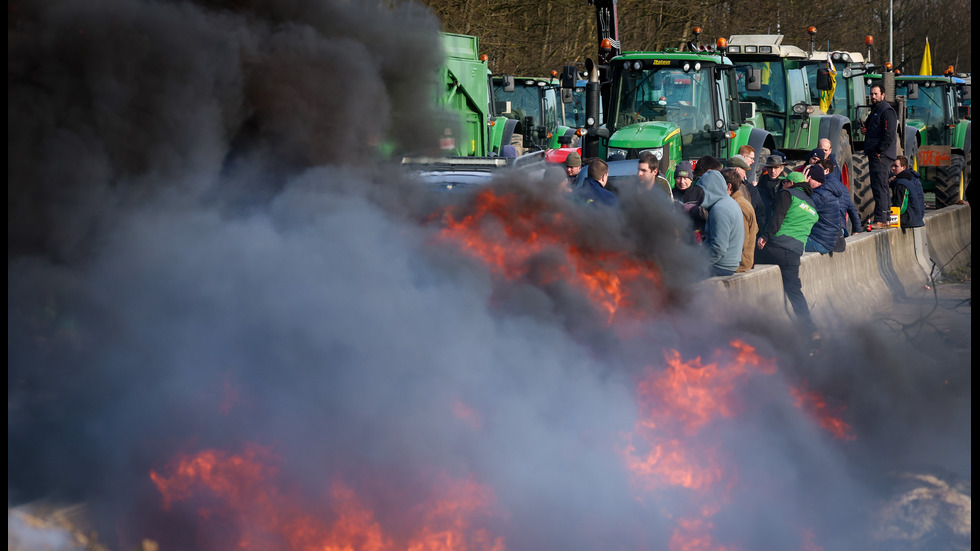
<point x="741" y="218"/>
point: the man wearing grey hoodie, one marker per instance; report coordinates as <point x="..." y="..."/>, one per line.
<point x="725" y="231"/>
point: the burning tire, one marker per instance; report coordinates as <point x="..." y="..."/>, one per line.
<point x="861" y="186"/>
<point x="951" y="181"/>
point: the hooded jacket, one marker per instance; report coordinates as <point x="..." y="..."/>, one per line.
<point x="828" y="224"/>
<point x="908" y="196"/>
<point x="793" y="215"/>
<point x="725" y="231"/>
<point x="847" y="206"/>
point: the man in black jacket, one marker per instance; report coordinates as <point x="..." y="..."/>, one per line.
<point x="881" y="147"/>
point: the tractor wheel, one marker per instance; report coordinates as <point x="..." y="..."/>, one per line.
<point x="951" y="181"/>
<point x="861" y="186"/>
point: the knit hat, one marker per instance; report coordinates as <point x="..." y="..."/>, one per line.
<point x="573" y="160"/>
<point x="816" y="172"/>
<point x="684" y="169"/>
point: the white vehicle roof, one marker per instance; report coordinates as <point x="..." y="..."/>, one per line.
<point x="848" y="57"/>
<point x="763" y="44"/>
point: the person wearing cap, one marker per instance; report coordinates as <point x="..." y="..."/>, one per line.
<point x="813" y="158"/>
<point x="648" y="171"/>
<point x="724" y="232"/>
<point x="848" y="210"/>
<point x="742" y="165"/>
<point x="683" y="174"/>
<point x="824" y="233"/>
<point x="782" y="239"/>
<point x="573" y="165"/>
<point x="736" y="189"/>
<point x="770" y="182"/>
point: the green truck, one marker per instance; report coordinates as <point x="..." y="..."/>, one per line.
<point x="472" y="127"/>
<point x="934" y="110"/>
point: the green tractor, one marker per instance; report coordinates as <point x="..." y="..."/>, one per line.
<point x="849" y="91"/>
<point x="772" y="76"/>
<point x="933" y="104"/>
<point x="534" y="103"/>
<point x="676" y="105"/>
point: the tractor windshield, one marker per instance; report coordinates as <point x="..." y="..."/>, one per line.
<point x="771" y="98"/>
<point x="928" y="108"/>
<point x="839" y="103"/>
<point x="524" y="101"/>
<point x="664" y="94"/>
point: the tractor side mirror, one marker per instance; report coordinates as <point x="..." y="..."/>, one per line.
<point x="823" y="79"/>
<point x="753" y="80"/>
<point x="508" y="83"/>
<point x="913" y="90"/>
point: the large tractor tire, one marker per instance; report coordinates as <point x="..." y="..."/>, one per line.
<point x="861" y="186"/>
<point x="951" y="181"/>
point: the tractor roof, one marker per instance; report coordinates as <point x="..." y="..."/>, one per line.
<point x="846" y="57"/>
<point x="763" y="44"/>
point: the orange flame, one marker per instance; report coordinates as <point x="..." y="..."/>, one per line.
<point x="828" y="418"/>
<point x="508" y="233"/>
<point x="240" y="497"/>
<point x="676" y="404"/>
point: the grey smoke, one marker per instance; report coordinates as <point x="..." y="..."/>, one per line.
<point x="195" y="217"/>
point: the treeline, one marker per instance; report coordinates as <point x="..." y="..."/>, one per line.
<point x="533" y="37"/>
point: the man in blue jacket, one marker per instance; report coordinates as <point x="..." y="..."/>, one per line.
<point x="593" y="190"/>
<point x="725" y="230"/>
<point x="848" y="210"/>
<point x="823" y="234"/>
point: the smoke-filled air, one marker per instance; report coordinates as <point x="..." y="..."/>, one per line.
<point x="235" y="321"/>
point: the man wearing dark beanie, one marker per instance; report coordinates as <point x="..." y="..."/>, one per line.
<point x="824" y="233"/>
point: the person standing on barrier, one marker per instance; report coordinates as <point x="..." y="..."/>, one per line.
<point x="907" y="194"/>
<point x="782" y="240"/>
<point x="881" y="146"/>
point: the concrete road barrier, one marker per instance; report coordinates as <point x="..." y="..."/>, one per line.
<point x="876" y="269"/>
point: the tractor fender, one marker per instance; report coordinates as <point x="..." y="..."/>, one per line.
<point x="911" y="146"/>
<point x="510" y="127"/>
<point x="759" y="138"/>
<point x="830" y="128"/>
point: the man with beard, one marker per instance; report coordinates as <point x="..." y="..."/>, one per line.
<point x="881" y="146"/>
<point x="648" y="171"/>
